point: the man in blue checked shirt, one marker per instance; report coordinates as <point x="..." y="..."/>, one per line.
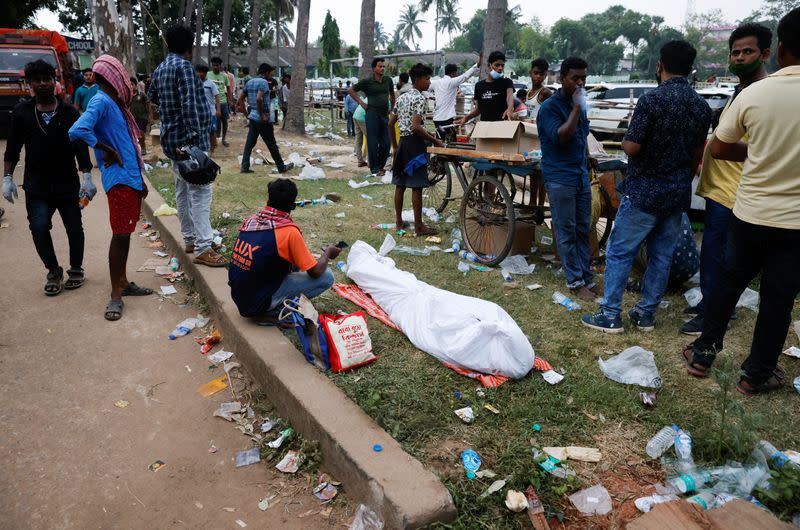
<point x="185" y="121"/>
<point x="259" y="118"/>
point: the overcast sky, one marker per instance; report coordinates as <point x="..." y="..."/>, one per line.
<point x="347" y="13"/>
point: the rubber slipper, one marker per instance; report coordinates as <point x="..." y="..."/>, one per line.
<point x="54" y="285"/>
<point x="75" y="278"/>
<point x="775" y="382"/>
<point x="114" y="310"/>
<point x="695" y="369"/>
<point x="136" y="290"/>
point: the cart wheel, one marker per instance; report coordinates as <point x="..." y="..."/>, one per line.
<point x="606" y="218"/>
<point x="487" y="220"/>
<point x="440" y="178"/>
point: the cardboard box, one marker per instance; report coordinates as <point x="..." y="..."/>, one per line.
<point x="155" y="136"/>
<point x="495" y="238"/>
<point x="513" y="137"/>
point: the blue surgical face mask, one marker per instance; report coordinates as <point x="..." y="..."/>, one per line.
<point x="495" y="74"/>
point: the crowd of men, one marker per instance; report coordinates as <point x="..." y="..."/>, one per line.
<point x="748" y="176"/>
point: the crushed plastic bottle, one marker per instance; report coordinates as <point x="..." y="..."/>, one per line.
<point x="645" y="504"/>
<point x="366" y="519"/>
<point x="456" y="245"/>
<point x="683" y="449"/>
<point x="382" y="226"/>
<point x="773" y="456"/>
<point x="569" y="303"/>
<point x="704" y="499"/>
<point x="662" y="441"/>
<point x="183" y="328"/>
<point x="414" y="251"/>
<point x="174" y="264"/>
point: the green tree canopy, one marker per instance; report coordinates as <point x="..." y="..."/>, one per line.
<point x="330" y="42"/>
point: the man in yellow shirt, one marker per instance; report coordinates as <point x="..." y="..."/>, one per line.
<point x="749" y="46"/>
<point x="764" y="234"/>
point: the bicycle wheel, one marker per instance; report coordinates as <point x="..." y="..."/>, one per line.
<point x="440" y="178"/>
<point x="606" y="218"/>
<point x="488" y="220"/>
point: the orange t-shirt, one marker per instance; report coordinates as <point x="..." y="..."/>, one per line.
<point x="292" y="247"/>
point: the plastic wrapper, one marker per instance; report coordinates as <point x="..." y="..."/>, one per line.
<point x="366" y="519"/>
<point x="592" y="501"/>
<point x="634" y="366"/>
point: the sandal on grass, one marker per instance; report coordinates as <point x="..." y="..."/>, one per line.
<point x="136" y="290"/>
<point x="75" y="278"/>
<point x="774" y="382"/>
<point x="54" y="285"/>
<point x="114" y="310"/>
<point x="695" y="369"/>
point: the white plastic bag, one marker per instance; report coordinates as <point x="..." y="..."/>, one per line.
<point x="366" y="519"/>
<point x="592" y="501"/>
<point x="634" y="366"/>
<point x="296" y="159"/>
<point x="467" y="332"/>
<point x="693" y="296"/>
<point x="749" y="299"/>
<point x="312" y="173"/>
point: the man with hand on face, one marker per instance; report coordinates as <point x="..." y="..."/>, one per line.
<point x="563" y="128"/>
<point x="664" y="144"/>
<point x="380" y="94"/>
<point x="749" y="46"/>
<point x="494" y="95"/>
<point x="41" y="125"/>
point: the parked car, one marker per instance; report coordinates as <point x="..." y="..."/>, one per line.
<point x="611" y="105"/>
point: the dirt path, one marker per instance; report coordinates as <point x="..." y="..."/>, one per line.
<point x="74" y="459"/>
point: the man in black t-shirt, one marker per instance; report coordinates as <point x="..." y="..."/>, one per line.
<point x="494" y="95"/>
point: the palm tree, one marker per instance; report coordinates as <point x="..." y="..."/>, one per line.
<point x="279" y="31"/>
<point x="366" y="38"/>
<point x="493" y="30"/>
<point x="396" y="43"/>
<point x="252" y="52"/>
<point x="381" y="37"/>
<point x="295" y="119"/>
<point x="448" y="19"/>
<point x="409" y="23"/>
<point x="442" y="7"/>
<point x="198" y="29"/>
<point x="226" y="30"/>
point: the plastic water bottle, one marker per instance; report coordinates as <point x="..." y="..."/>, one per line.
<point x="173" y="264"/>
<point x="569" y="303"/>
<point x="469" y="256"/>
<point x="659" y="443"/>
<point x="689" y="482"/>
<point x="683" y="448"/>
<point x="183" y="328"/>
<point x="703" y="499"/>
<point x="771" y="453"/>
<point x="382" y="226"/>
<point x="342" y="266"/>
<point x="456" y="245"/>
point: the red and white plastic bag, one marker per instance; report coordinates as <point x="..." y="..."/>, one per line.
<point x="349" y="345"/>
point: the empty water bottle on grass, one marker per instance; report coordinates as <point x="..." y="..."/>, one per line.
<point x="662" y="441"/>
<point x="569" y="303"/>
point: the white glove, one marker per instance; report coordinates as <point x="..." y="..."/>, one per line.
<point x="87" y="186"/>
<point x="9" y="189"/>
<point x="579" y="97"/>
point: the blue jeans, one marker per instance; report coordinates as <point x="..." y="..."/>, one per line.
<point x="351" y="128"/>
<point x="571" y="208"/>
<point x="715" y="237"/>
<point x="40" y="210"/>
<point x="632" y="227"/>
<point x="377" y="140"/>
<point x="194" y="210"/>
<point x="297" y="283"/>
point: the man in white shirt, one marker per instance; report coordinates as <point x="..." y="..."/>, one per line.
<point x="445" y="89"/>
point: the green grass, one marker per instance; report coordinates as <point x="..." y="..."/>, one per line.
<point x="411" y="395"/>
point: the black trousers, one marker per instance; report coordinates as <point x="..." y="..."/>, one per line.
<point x="266" y="132"/>
<point x="40" y="210"/>
<point x="753" y="249"/>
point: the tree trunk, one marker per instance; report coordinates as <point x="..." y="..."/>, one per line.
<point x="226" y="31"/>
<point x="493" y="30"/>
<point x="366" y="39"/>
<point x="187" y="12"/>
<point x="198" y="30"/>
<point x="145" y="45"/>
<point x="162" y="18"/>
<point x="111" y="31"/>
<point x="252" y="54"/>
<point x="295" y="119"/>
<point x="278" y="37"/>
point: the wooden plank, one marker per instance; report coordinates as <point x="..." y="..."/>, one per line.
<point x="485" y="155"/>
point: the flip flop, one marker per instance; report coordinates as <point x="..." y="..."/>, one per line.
<point x="75" y="278"/>
<point x="695" y="369"/>
<point x="135" y="290"/>
<point x="54" y="285"/>
<point x="114" y="310"/>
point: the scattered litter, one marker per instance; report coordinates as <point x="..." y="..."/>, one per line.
<point x="167" y="290"/>
<point x="213" y="386"/>
<point x="516" y="501"/>
<point x="277" y="442"/>
<point x="552" y="377"/>
<point x="199" y="505"/>
<point x="517" y="265"/>
<point x="486" y="473"/>
<point x="334" y="165"/>
<point x="491" y="409"/>
<point x="533" y="286"/>
<point x="229" y="411"/>
<point x="433" y="239"/>
<point x="634" y="366"/>
<point x="296" y="159"/>
<point x="366" y="519"/>
<point x="240" y="523"/>
<point x="645" y="504"/>
<point x="536" y="427"/>
<point x="495" y="486"/>
<point x="566" y="301"/>
<point x="121" y="404"/>
<point x="796" y="384"/>
<point x="412" y="251"/>
<point x="792" y="351"/>
<point x="160" y="253"/>
<point x="553" y="465"/>
<point x="229" y="509"/>
<point x="340" y="215"/>
<point x="581" y="454"/>
<point x="310" y="172"/>
<point x="155" y="466"/>
<point x="749" y="299"/>
<point x="263" y="504"/>
<point x="326" y="488"/>
<point x="466" y="414"/>
<point x="246" y="458"/>
<point x="648" y="399"/>
<point x="268" y="425"/>
<point x="290" y="463"/>
<point x="150" y="264"/>
<point x="165" y="209"/>
<point x="797" y="328"/>
<point x="463" y="267"/>
<point x="212" y="448"/>
<point x="226" y="215"/>
<point x="661" y="441"/>
<point x="220" y="356"/>
<point x="377" y="448"/>
<point x="592" y="501"/>
<point x="209" y="341"/>
<point x="186" y="326"/>
<point x="471" y="462"/>
<point x="536" y="510"/>
<point x="480" y="392"/>
<point x="366" y="197"/>
<point x="546" y="240"/>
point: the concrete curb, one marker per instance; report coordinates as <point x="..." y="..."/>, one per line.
<point x="391" y="482"/>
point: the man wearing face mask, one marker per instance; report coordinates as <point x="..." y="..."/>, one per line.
<point x="664" y="144"/>
<point x="563" y="128"/>
<point x="749" y="46"/>
<point x="494" y="95"/>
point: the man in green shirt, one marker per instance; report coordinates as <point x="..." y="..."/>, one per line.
<point x="223" y="84"/>
<point x="380" y="93"/>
